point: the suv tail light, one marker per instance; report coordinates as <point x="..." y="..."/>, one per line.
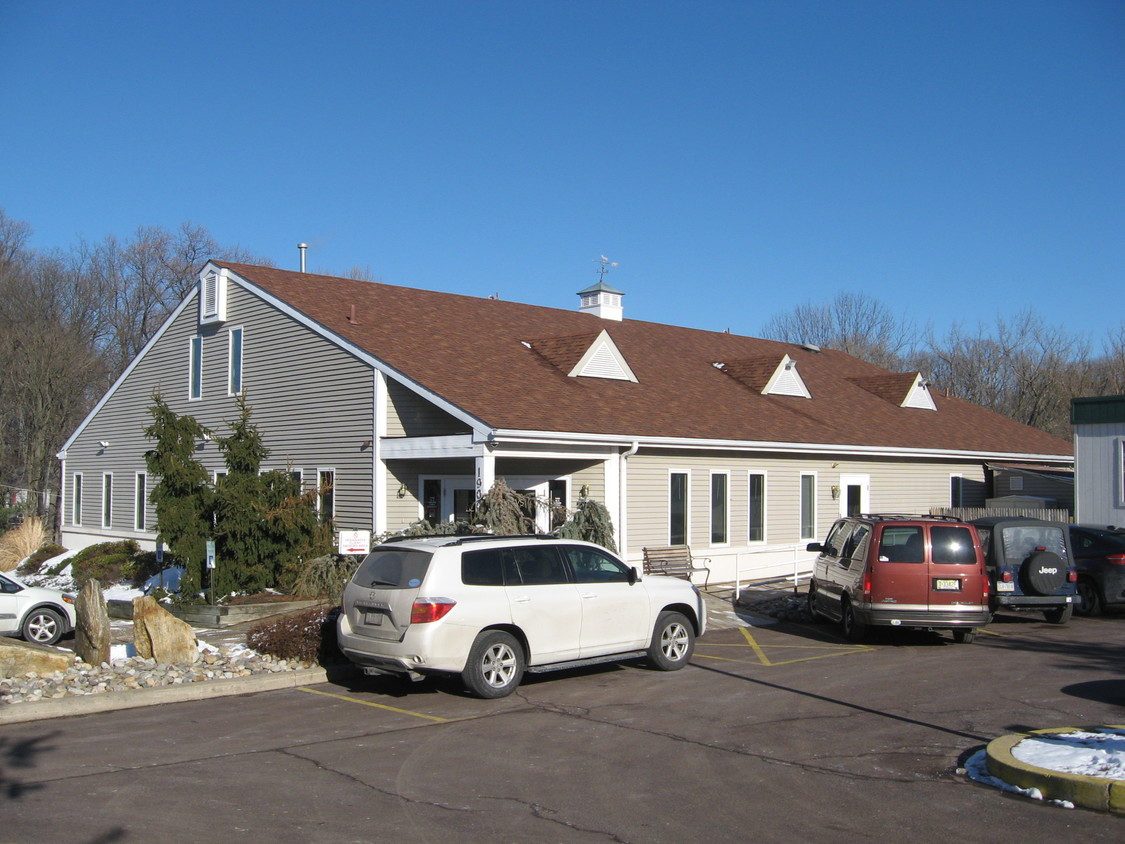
<point x="426" y="610"/>
<point x="1006" y="576"/>
<point x="1116" y="559"/>
<point x="1072" y="576"/>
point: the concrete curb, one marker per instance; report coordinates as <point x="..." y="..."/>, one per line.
<point x="17" y="713"/>
<point x="1106" y="795"/>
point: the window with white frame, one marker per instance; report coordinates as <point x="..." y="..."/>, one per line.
<point x="720" y="509"/>
<point x="139" y="498"/>
<point x="326" y="495"/>
<point x="107" y="500"/>
<point x="757" y="507"/>
<point x="195" y="378"/>
<point x="678" y="508"/>
<point x="808" y="505"/>
<point x="76" y="500"/>
<point x="234" y="363"/>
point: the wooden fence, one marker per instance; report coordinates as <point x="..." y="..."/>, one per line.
<point x="967" y="514"/>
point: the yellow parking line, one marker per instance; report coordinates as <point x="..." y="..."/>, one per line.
<point x="372" y="703"/>
<point x="760" y="652"/>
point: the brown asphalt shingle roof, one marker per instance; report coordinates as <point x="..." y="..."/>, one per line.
<point x="471" y="352"/>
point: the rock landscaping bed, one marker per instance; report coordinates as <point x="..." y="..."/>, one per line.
<point x="135" y="672"/>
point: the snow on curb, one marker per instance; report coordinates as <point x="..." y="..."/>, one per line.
<point x="1048" y="761"/>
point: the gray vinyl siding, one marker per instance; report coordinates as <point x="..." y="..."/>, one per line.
<point x="312" y="402"/>
<point x="1098" y="471"/>
<point x="895" y="485"/>
<point x="410" y="415"/>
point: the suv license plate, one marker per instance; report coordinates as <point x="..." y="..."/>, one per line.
<point x="947" y="584"/>
<point x="374" y="618"/>
<point x="1005" y="587"/>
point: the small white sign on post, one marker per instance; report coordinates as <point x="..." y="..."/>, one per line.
<point x="355" y="542"/>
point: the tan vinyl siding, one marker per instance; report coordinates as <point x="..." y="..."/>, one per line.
<point x="895" y="485"/>
<point x="410" y="415"/>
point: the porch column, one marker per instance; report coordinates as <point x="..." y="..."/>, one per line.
<point x="378" y="465"/>
<point x="614" y="479"/>
<point x="486" y="471"/>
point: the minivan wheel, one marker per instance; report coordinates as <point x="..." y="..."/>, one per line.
<point x="1089" y="598"/>
<point x="964" y="636"/>
<point x="854" y="629"/>
<point x="1061" y="615"/>
<point x="495" y="666"/>
<point x="673" y="642"/>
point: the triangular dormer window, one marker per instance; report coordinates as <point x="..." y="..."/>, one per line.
<point x="919" y="394"/>
<point x="786" y="381"/>
<point x="213" y="295"/>
<point x="767" y="375"/>
<point x="905" y="389"/>
<point x="603" y="360"/>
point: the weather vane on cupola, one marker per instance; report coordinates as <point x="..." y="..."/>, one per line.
<point x="606" y="266"/>
<point x="599" y="298"/>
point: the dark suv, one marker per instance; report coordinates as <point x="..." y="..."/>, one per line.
<point x="1030" y="565"/>
<point x="901" y="571"/>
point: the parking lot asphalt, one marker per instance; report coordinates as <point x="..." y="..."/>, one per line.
<point x="776" y="731"/>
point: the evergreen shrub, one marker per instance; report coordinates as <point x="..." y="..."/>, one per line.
<point x="35" y="562"/>
<point x="107" y="562"/>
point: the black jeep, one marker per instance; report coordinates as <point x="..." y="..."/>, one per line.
<point x="1030" y="565"/>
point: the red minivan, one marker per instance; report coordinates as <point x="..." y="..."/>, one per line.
<point x="901" y="571"/>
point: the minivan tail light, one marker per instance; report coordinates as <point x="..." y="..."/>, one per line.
<point x="867" y="583"/>
<point x="1116" y="559"/>
<point x="426" y="610"/>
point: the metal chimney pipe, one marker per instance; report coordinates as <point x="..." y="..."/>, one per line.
<point x="302" y="247"/>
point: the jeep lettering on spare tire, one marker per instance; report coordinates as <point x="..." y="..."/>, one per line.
<point x="1043" y="573"/>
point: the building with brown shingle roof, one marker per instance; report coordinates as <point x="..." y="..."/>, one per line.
<point x="412" y="401"/>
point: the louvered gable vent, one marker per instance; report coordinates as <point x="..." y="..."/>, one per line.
<point x="603" y="360"/>
<point x="213" y="296"/>
<point x="906" y="389"/>
<point x="768" y="375"/>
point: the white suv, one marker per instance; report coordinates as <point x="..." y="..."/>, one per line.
<point x="489" y="608"/>
<point x="39" y="615"/>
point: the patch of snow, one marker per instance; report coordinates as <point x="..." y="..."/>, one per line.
<point x="1098" y="753"/>
<point x="977" y="769"/>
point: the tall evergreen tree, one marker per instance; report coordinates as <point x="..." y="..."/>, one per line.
<point x="264" y="525"/>
<point x="183" y="497"/>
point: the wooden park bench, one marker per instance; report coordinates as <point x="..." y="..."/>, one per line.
<point x="677" y="561"/>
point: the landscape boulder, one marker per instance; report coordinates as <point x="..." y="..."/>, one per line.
<point x="91" y="630"/>
<point x="159" y="635"/>
<point x="18" y="659"/>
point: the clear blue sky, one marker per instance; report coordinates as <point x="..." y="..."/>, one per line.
<point x="953" y="159"/>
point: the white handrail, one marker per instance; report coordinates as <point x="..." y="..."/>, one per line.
<point x="802" y="565"/>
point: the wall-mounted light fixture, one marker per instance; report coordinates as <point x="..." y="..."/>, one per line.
<point x="402" y="490"/>
<point x="835" y="492"/>
<point x="366" y="445"/>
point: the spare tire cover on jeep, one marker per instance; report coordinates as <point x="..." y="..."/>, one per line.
<point x="1043" y="573"/>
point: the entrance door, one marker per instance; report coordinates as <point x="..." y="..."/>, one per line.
<point x="855" y="494"/>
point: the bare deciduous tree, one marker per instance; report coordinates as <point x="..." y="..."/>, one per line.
<point x="853" y="323"/>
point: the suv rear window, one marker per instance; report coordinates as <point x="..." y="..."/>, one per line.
<point x="402" y="568"/>
<point x="1021" y="542"/>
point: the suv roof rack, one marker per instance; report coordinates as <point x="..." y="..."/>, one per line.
<point x="906" y="517"/>
<point x="454" y="539"/>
